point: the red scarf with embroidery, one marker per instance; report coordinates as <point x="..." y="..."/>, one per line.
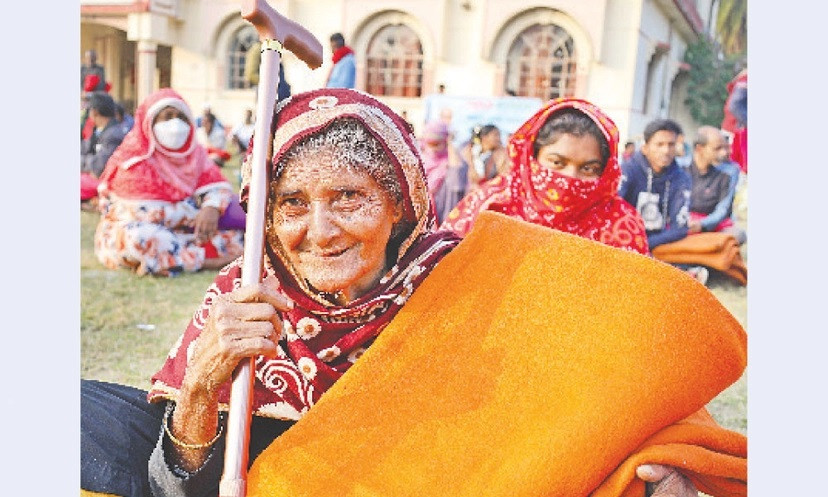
<point x="320" y="340"/>
<point x="590" y="209"/>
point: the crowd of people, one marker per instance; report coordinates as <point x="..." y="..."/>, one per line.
<point x="359" y="212"/>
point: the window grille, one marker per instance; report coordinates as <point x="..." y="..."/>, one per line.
<point x="541" y="63"/>
<point x="395" y="62"/>
<point x="239" y="44"/>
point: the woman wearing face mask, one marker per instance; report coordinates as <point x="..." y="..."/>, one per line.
<point x="162" y="197"/>
<point x="565" y="176"/>
<point x="350" y="243"/>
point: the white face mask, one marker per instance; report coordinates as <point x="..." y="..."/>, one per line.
<point x="171" y="134"/>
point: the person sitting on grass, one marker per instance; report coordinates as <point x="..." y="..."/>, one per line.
<point x="161" y="197"/>
<point x="564" y="175"/>
<point x="211" y="136"/>
<point x="660" y="189"/>
<point x="711" y="197"/>
<point x="350" y="235"/>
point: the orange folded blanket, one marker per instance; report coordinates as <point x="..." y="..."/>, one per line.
<point x="529" y="363"/>
<point x="719" y="251"/>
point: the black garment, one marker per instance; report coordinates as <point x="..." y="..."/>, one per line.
<point x="708" y="189"/>
<point x="96" y="151"/>
<point x="672" y="186"/>
<point x="120" y="430"/>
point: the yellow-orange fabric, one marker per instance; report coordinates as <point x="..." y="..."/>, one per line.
<point x="529" y="363"/>
<point x="87" y="493"/>
<point x="717" y="250"/>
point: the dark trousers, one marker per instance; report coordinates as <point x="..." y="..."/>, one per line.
<point x="119" y="431"/>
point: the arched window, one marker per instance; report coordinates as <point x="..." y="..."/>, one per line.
<point x="541" y="63"/>
<point x="240" y="42"/>
<point x="395" y="62"/>
<point x="653" y="86"/>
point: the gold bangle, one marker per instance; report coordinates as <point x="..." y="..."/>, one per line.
<point x="185" y="445"/>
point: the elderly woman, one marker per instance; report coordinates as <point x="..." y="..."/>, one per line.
<point x="564" y="175"/>
<point x="350" y="235"/>
<point x="162" y="198"/>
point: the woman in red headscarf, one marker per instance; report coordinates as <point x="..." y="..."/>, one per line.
<point x="161" y="197"/>
<point x="350" y="235"/>
<point x="565" y="176"/>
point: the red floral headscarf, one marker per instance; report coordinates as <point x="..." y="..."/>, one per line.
<point x="591" y="209"/>
<point x="321" y="339"/>
<point x="140" y="168"/>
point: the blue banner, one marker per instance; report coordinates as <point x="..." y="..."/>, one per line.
<point x="507" y="113"/>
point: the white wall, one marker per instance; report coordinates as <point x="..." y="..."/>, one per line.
<point x="464" y="48"/>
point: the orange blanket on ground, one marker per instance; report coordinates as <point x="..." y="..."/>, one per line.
<point x="719" y="251"/>
<point x="529" y="363"/>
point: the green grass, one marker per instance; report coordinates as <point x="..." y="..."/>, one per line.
<point x="114" y="303"/>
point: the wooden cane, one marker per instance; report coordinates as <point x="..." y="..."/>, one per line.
<point x="275" y="31"/>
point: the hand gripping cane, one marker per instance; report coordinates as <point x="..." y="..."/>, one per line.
<point x="275" y="32"/>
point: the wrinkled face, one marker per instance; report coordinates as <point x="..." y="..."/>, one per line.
<point x="333" y="224"/>
<point x="578" y="157"/>
<point x="491" y="140"/>
<point x="660" y="150"/>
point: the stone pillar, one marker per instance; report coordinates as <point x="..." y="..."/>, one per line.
<point x="145" y="77"/>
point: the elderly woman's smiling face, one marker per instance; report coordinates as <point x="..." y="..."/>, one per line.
<point x="333" y="223"/>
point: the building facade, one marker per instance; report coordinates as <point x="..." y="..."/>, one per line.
<point x="623" y="55"/>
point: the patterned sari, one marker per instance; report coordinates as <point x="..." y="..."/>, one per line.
<point x="590" y="209"/>
<point x="321" y="339"/>
<point x="150" y="197"/>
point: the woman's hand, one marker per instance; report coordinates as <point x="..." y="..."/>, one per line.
<point x="665" y="481"/>
<point x="206" y="223"/>
<point x="242" y="324"/>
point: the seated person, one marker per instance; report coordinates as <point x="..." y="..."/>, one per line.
<point x="711" y="196"/>
<point x="106" y="137"/>
<point x="199" y="121"/>
<point x="629" y="150"/>
<point x="162" y="198"/>
<point x="659" y="188"/>
<point x="564" y="175"/>
<point x="242" y="133"/>
<point x="485" y="156"/>
<point x="124" y="117"/>
<point x="349" y="229"/>
<point x="738" y="181"/>
<point x="212" y="137"/>
<point x="684" y="154"/>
